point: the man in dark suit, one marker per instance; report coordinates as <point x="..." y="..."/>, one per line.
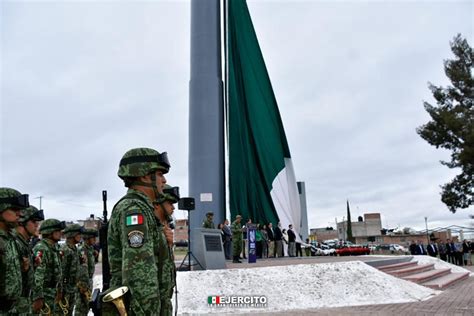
<point x="450" y="251"/>
<point x="278" y="241"/>
<point x="413" y="248"/>
<point x="291" y="241"/>
<point x="227" y="239"/>
<point x="432" y="249"/>
<point x="271" y="240"/>
<point x="420" y="249"/>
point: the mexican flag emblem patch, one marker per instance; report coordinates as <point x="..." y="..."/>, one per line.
<point x="136" y="219"/>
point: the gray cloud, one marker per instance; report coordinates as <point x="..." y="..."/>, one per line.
<point x="83" y="82"/>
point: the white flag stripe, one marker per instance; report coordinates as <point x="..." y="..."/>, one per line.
<point x="286" y="198"/>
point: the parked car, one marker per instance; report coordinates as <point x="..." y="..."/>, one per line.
<point x="398" y="248"/>
<point x="353" y="251"/>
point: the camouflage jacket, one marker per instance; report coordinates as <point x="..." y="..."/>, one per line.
<point x="48" y="272"/>
<point x="87" y="265"/>
<point x="70" y="267"/>
<point x="134" y="252"/>
<point x="10" y="267"/>
<point x="208" y="224"/>
<point x="27" y="273"/>
<point x="25" y="252"/>
<point x="167" y="273"/>
<point x="89" y="252"/>
<point x="236" y="232"/>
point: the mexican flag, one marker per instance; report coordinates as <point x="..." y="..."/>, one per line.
<point x="136" y="219"/>
<point x="262" y="183"/>
<point x="213" y="300"/>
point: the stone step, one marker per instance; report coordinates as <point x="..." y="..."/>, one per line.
<point x="447" y="280"/>
<point x="411" y="270"/>
<point x="397" y="266"/>
<point x="427" y="275"/>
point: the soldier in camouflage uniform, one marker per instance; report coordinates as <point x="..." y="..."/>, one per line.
<point x="11" y="203"/>
<point x="133" y="236"/>
<point x="236" y="239"/>
<point x="163" y="212"/>
<point x="208" y="223"/>
<point x="47" y="289"/>
<point x="70" y="265"/>
<point x="27" y="228"/>
<point x="86" y="271"/>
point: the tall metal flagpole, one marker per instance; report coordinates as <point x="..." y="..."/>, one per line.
<point x="206" y="114"/>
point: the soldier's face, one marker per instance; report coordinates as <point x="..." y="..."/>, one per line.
<point x="160" y="180"/>
<point x="11" y="216"/>
<point x="56" y="235"/>
<point x="169" y="208"/>
<point x="77" y="238"/>
<point x="91" y="241"/>
<point x="32" y="228"/>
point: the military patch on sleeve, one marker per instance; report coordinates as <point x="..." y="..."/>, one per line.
<point x="38" y="257"/>
<point x="135" y="238"/>
<point x="134" y="219"/>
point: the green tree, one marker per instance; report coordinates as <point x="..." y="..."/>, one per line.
<point x="452" y="124"/>
<point x="349" y="224"/>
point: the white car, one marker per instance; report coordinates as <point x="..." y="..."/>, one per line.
<point x="398" y="248"/>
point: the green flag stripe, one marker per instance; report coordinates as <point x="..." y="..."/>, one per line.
<point x="257" y="141"/>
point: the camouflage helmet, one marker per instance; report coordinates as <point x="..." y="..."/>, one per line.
<point x="51" y="225"/>
<point x="11" y="198"/>
<point x="89" y="232"/>
<point x="73" y="230"/>
<point x="31" y="213"/>
<point x="170" y="194"/>
<point x="139" y="162"/>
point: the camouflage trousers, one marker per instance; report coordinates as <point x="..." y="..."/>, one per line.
<point x="71" y="299"/>
<point x="166" y="307"/>
<point x="22" y="307"/>
<point x="49" y="300"/>
<point x="82" y="307"/>
<point x="236" y="247"/>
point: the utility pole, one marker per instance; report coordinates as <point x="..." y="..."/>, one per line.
<point x="40" y="198"/>
<point x="427" y="235"/>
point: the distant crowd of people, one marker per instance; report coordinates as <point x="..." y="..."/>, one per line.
<point x="453" y="252"/>
<point x="271" y="242"/>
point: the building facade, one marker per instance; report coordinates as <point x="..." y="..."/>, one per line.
<point x="366" y="229"/>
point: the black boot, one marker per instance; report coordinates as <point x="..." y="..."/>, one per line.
<point x="236" y="260"/>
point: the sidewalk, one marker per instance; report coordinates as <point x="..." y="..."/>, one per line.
<point x="457" y="300"/>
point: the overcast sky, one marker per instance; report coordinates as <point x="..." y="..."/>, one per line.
<point x="82" y="82"/>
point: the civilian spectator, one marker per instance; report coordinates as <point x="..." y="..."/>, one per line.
<point x="271" y="240"/>
<point x="412" y="248"/>
<point x="299" y="251"/>
<point x="432" y="249"/>
<point x="227" y="239"/>
<point x="278" y="250"/>
<point x="291" y="241"/>
<point x="442" y="251"/>
<point x="284" y="239"/>
<point x="263" y="231"/>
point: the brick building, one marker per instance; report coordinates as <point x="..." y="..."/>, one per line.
<point x="181" y="231"/>
<point x="324" y="233"/>
<point x="366" y="229"/>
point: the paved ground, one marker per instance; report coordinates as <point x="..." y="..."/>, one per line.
<point x="457" y="300"/>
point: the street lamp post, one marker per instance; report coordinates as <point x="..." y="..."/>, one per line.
<point x="427" y="235"/>
<point x="40" y="198"/>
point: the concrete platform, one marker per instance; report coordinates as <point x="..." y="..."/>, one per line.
<point x="427" y="275"/>
<point x="412" y="270"/>
<point x="445" y="281"/>
<point x="397" y="266"/>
